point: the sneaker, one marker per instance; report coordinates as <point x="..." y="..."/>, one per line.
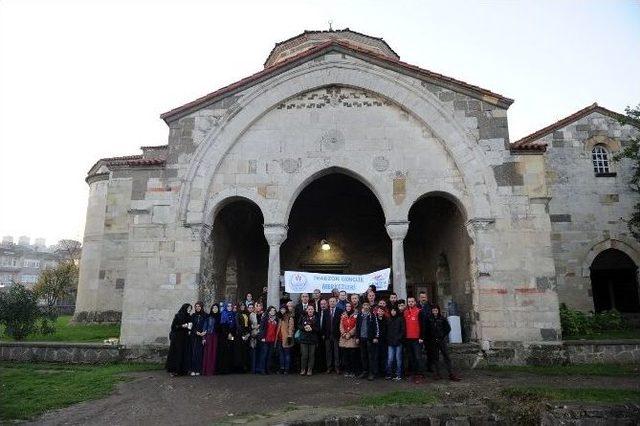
<point x="370" y="377"/>
<point x="362" y="375"/>
<point x="387" y="378"/>
<point x="192" y="373"/>
<point x="397" y="378"/>
<point x="454" y="378"/>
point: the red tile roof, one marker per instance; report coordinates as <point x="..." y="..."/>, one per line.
<point x="320" y="50"/>
<point x="127" y="161"/>
<point x="532" y="142"/>
<point x="155" y="147"/>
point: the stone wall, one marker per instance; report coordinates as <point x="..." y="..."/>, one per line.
<point x="73" y="353"/>
<point x="588" y="352"/>
<point x="464" y="355"/>
<point x="401" y="136"/>
<point x="587" y="212"/>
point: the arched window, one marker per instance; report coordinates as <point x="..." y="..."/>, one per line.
<point x="600" y="159"/>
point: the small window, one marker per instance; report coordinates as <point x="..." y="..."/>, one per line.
<point x="600" y="160"/>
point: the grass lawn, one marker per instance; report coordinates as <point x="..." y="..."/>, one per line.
<point x="612" y="396"/>
<point x="66" y="332"/>
<point x="573" y="370"/>
<point x="29" y="389"/>
<point x="633" y="333"/>
<point x="413" y="397"/>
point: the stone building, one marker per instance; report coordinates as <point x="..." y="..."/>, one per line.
<point x="339" y="141"/>
<point x="24" y="262"/>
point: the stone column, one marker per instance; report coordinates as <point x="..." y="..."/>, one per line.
<point x="275" y="233"/>
<point x="397" y="231"/>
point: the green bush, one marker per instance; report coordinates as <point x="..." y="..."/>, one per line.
<point x="575" y="322"/>
<point x="20" y="314"/>
<point x="608" y="320"/>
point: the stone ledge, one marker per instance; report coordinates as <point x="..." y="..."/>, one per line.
<point x="634" y="342"/>
<point x="83" y="345"/>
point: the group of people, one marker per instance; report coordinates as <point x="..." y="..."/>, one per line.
<point x="354" y="335"/>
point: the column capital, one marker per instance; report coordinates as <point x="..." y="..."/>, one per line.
<point x="275" y="233"/>
<point x="397" y="230"/>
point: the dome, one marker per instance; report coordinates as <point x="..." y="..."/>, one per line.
<point x="309" y="39"/>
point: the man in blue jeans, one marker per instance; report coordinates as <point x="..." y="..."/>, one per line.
<point x="395" y="335"/>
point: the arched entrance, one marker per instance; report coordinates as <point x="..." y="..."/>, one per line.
<point x="236" y="256"/>
<point x="613" y="282"/>
<point x="341" y="212"/>
<point x="437" y="254"/>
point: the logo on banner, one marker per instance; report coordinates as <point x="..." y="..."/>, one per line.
<point x="298" y="283"/>
<point x="379" y="279"/>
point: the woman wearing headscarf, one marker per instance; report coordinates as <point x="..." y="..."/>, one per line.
<point x="241" y="342"/>
<point x="198" y="319"/>
<point x="179" y="356"/>
<point x="212" y="325"/>
<point x="227" y="329"/>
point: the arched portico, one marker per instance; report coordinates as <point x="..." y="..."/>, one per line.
<point x="421" y="104"/>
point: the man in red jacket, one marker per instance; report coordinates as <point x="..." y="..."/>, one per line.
<point x="413" y="338"/>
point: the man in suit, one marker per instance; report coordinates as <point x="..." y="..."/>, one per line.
<point x="315" y="301"/>
<point x="301" y="307"/>
<point x="323" y="318"/>
<point x="331" y="333"/>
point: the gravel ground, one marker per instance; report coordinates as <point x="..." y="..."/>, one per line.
<point x="156" y="398"/>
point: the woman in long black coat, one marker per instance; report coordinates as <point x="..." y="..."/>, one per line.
<point x="241" y="342"/>
<point x="198" y="319"/>
<point x="179" y="357"/>
<point x="228" y="326"/>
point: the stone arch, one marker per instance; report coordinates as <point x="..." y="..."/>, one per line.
<point x="375" y="185"/>
<point x="628" y="248"/>
<point x="225" y="239"/>
<point x="439" y="253"/>
<point x="228" y="195"/>
<point x="456" y="199"/>
<point x="401" y="90"/>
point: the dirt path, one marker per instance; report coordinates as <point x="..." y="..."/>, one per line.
<point x="156" y="398"/>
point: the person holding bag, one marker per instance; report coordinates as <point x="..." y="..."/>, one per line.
<point x="308" y="326"/>
<point x="284" y="339"/>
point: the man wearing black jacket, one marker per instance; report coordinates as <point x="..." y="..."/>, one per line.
<point x="435" y="335"/>
<point x="425" y="312"/>
<point x="331" y="333"/>
<point x="367" y="335"/>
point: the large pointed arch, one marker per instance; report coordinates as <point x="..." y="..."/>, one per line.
<point x="335" y="70"/>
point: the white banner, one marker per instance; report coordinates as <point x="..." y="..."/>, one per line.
<point x="306" y="282"/>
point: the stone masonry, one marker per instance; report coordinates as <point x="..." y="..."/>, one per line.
<point x="337" y="107"/>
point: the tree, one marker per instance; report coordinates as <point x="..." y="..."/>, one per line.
<point x="69" y="250"/>
<point x="631" y="151"/>
<point x="20" y="314"/>
<point x="57" y="283"/>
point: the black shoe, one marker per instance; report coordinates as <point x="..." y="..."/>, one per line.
<point x="370" y="377"/>
<point x="362" y="375"/>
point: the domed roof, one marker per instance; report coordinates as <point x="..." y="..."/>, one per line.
<point x="308" y="39"/>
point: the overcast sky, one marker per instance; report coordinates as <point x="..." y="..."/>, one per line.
<point x="81" y="80"/>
